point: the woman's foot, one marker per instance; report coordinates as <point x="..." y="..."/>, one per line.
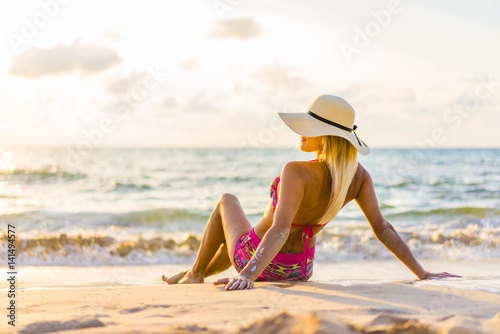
<point x="174" y="279"/>
<point x="183" y="277"/>
<point x="189" y="278"/>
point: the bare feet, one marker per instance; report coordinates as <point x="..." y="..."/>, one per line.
<point x="174" y="279"/>
<point x="189" y="278"/>
<point x="183" y="277"/>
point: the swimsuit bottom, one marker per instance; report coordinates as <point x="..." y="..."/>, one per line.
<point x="284" y="267"/>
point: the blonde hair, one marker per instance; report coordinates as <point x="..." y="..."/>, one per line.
<point x="342" y="160"/>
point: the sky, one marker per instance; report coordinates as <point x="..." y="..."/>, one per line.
<point x="208" y="73"/>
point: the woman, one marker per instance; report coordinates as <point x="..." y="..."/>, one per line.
<point x="281" y="246"/>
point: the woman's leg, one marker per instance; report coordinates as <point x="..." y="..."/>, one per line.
<point x="225" y="226"/>
<point x="221" y="262"/>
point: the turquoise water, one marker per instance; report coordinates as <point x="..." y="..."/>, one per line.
<point x="136" y="206"/>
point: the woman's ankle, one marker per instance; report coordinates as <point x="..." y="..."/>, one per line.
<point x="195" y="273"/>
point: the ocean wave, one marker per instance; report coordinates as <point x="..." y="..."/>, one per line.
<point x="55" y="220"/>
<point x="121" y="187"/>
<point x="231" y="178"/>
<point x="41" y="174"/>
<point x="50" y="220"/>
<point x="146" y="217"/>
<point x="447" y="213"/>
<point x="101" y="250"/>
<point x="464" y="238"/>
<point x="173" y="219"/>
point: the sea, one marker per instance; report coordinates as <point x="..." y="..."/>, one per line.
<point x="149" y="206"/>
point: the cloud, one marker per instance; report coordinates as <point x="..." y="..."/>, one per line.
<point x="37" y="62"/>
<point x="199" y="105"/>
<point x="201" y="102"/>
<point x="190" y="64"/>
<point x="167" y="107"/>
<point x="170" y="102"/>
<point x="113" y="35"/>
<point x="125" y="84"/>
<point x="240" y="28"/>
<point x="277" y="75"/>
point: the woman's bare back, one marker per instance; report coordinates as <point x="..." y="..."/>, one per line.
<point x="316" y="197"/>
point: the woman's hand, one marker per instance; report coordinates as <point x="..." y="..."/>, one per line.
<point x="436" y="276"/>
<point x="235" y="283"/>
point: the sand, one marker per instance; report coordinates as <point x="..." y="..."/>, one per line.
<point x="348" y="297"/>
<point x="309" y="307"/>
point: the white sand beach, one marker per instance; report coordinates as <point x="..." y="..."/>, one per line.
<point x="348" y="302"/>
<point x="269" y="308"/>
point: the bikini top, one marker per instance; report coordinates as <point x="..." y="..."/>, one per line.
<point x="308" y="233"/>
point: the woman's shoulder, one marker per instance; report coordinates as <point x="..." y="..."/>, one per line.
<point x="362" y="172"/>
<point x="292" y="167"/>
<point x="299" y="165"/>
<point x="309" y="166"/>
<point x="305" y="170"/>
<point x="362" y="177"/>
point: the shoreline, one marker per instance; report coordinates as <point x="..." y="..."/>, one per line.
<point x="342" y="273"/>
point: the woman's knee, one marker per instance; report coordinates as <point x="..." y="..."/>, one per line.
<point x="226" y="197"/>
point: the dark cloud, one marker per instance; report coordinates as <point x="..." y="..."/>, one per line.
<point x="37" y="62"/>
<point x="240" y="28"/>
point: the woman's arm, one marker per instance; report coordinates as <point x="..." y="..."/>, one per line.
<point x="291" y="195"/>
<point x="385" y="232"/>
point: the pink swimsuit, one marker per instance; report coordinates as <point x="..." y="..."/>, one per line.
<point x="283" y="266"/>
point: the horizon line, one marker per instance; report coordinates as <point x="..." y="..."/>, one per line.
<point x="8" y="147"/>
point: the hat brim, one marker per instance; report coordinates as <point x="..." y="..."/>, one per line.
<point x="308" y="126"/>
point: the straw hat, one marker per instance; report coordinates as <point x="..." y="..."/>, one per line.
<point x="327" y="115"/>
